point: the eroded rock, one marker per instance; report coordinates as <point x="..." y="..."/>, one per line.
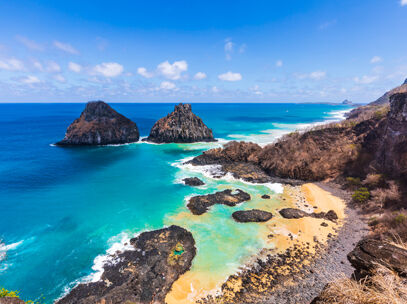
<point x="201" y="203"/>
<point x="369" y="253"/>
<point x="193" y="181"/>
<point x="99" y="124"/>
<point x="143" y="275"/>
<point x="180" y="126"/>
<point x="254" y="215"/>
<point x="292" y="213"/>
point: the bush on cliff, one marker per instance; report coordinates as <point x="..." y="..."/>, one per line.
<point x="361" y="195"/>
<point x="4" y="293"/>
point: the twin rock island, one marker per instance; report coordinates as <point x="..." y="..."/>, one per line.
<point x="100" y="124"/>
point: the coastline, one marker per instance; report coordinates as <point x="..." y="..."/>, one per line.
<point x="229" y="178"/>
<point x="303" y="254"/>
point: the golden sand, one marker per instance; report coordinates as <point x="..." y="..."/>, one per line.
<point x="279" y="233"/>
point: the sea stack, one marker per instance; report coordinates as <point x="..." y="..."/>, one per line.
<point x="180" y="126"/>
<point x="99" y="124"/>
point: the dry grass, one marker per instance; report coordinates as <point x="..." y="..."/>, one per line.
<point x="383" y="287"/>
<point x="386" y="196"/>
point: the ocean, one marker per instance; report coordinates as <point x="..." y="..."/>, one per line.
<point x="63" y="210"/>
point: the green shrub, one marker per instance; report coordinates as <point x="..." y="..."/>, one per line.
<point x="353" y="181"/>
<point x="373" y="221"/>
<point x="400" y="219"/>
<point x="361" y="195"/>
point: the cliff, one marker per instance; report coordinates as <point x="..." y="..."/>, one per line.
<point x="348" y="148"/>
<point x="99" y="124"/>
<point x="180" y="126"/>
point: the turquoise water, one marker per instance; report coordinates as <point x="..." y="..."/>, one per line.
<point x="63" y="207"/>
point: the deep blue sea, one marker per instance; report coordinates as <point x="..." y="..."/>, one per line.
<point x="60" y="208"/>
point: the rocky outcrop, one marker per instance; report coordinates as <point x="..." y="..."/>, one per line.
<point x="201" y="203"/>
<point x="11" y="301"/>
<point x="391" y="156"/>
<point x="385" y="99"/>
<point x="143" y="275"/>
<point x="193" y="181"/>
<point x="254" y="215"/>
<point x="180" y="126"/>
<point x="265" y="196"/>
<point x="369" y="253"/>
<point x="292" y="213"/>
<point x="99" y="124"/>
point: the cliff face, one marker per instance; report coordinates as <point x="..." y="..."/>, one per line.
<point x="99" y="124"/>
<point x="385" y="99"/>
<point x="349" y="148"/>
<point x="180" y="126"/>
<point x="142" y="275"/>
<point x="391" y="156"/>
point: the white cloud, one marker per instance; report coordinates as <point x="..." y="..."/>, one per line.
<point x="256" y="90"/>
<point x="38" y="65"/>
<point x="66" y="47"/>
<point x="143" y="72"/>
<point x="229" y="45"/>
<point x="172" y="71"/>
<point x="279" y="63"/>
<point x="200" y="76"/>
<point x="29" y="43"/>
<point x="229" y="76"/>
<point x="11" y="64"/>
<point x="30" y="79"/>
<point x="75" y="67"/>
<point x="109" y="69"/>
<point x="376" y="59"/>
<point x="403" y="2"/>
<point x="60" y="78"/>
<point x="168" y="85"/>
<point x="317" y="75"/>
<point x="53" y="67"/>
<point x="215" y="89"/>
<point x="366" y="79"/>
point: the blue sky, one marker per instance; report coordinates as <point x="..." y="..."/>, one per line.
<point x="201" y="51"/>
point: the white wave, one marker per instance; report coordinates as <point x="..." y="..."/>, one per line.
<point x="119" y="243"/>
<point x="275" y="187"/>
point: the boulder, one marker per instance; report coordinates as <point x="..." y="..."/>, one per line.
<point x="180" y="126"/>
<point x="193" y="181"/>
<point x="99" y="124"/>
<point x="292" y="213"/>
<point x="142" y="275"/>
<point x="201" y="203"/>
<point x="369" y="253"/>
<point x="254" y="215"/>
<point x="265" y="196"/>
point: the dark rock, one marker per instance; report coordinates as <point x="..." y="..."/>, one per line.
<point x="324" y="224"/>
<point x="143" y="275"/>
<point x="201" y="203"/>
<point x="253" y="215"/>
<point x="331" y="216"/>
<point x="391" y="156"/>
<point x="180" y="126"/>
<point x="265" y="196"/>
<point x="99" y="124"/>
<point x="193" y="181"/>
<point x="369" y="253"/>
<point x="292" y="213"/>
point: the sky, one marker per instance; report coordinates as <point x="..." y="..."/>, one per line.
<point x="201" y="51"/>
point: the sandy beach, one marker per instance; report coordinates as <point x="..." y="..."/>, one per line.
<point x="300" y="241"/>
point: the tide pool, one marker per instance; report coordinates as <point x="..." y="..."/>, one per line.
<point x="63" y="208"/>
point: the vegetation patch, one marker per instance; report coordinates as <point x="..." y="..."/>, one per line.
<point x="361" y="195"/>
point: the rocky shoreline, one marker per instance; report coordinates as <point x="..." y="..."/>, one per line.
<point x="299" y="274"/>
